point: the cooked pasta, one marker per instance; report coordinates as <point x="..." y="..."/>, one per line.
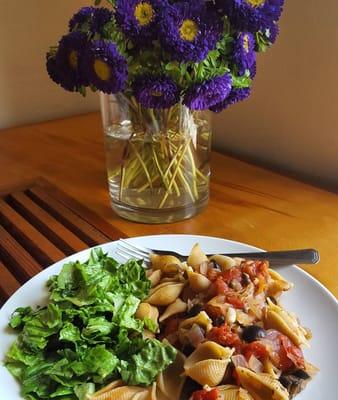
<point x="234" y="339"/>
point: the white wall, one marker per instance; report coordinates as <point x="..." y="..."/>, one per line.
<point x="291" y="120"/>
<point x="27" y="29"/>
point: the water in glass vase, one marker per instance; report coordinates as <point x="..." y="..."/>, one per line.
<point x="158" y="177"/>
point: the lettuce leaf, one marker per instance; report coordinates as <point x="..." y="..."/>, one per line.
<point x="142" y="368"/>
<point x="87" y="335"/>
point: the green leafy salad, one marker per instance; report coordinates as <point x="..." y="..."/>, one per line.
<point x="87" y="335"/>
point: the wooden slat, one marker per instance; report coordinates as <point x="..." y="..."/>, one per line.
<point x="28" y="236"/>
<point x="101" y="224"/>
<point x="56" y="232"/>
<point x="22" y="265"/>
<point x="8" y="283"/>
<point x="67" y="217"/>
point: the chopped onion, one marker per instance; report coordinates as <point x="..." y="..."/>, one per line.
<point x="254" y="364"/>
<point x="239" y="361"/>
<point x="195" y="335"/>
<point x="204" y="267"/>
<point x="272" y="343"/>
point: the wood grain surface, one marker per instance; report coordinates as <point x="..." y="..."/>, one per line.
<point x="248" y="203"/>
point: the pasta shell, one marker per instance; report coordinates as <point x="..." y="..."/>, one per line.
<point x="198" y="282"/>
<point x="224" y="262"/>
<point x="174" y="278"/>
<point x="117" y="390"/>
<point x="270" y="369"/>
<point x="196" y="256"/>
<point x="208" y="363"/>
<point x="165" y="293"/>
<point x="275" y="317"/>
<point x="228" y="392"/>
<point x="233" y="392"/>
<point x="261" y="386"/>
<point x="160" y="262"/>
<point x="202" y="319"/>
<point x="146" y="394"/>
<point x="105" y="389"/>
<point x="311" y="369"/>
<point x="155" y="277"/>
<point x="277" y="285"/>
<point x="120" y="393"/>
<point x="145" y="310"/>
<point x="170" y="382"/>
<point x="178" y="306"/>
<point x="244" y="395"/>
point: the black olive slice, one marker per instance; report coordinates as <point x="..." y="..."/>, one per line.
<point x="252" y="333"/>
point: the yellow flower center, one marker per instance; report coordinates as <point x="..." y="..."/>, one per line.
<point x="73" y="59"/>
<point x="102" y="70"/>
<point x="255" y="3"/>
<point x="157" y="94"/>
<point x="246" y="43"/>
<point x="188" y="30"/>
<point x="144" y="13"/>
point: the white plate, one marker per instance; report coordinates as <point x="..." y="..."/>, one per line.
<point x="315" y="305"/>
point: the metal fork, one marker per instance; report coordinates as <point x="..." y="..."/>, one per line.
<point x="277" y="258"/>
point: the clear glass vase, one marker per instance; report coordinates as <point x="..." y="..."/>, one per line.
<point x="157" y="160"/>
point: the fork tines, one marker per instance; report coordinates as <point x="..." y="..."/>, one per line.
<point x="128" y="250"/>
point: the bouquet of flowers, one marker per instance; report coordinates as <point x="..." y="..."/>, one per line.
<point x="163" y="55"/>
<point x="164" y="51"/>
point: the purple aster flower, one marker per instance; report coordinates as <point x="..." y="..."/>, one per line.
<point x="244" y="56"/>
<point x="253" y="70"/>
<point x="95" y="17"/>
<point x="82" y="16"/>
<point x="235" y="96"/>
<point x="52" y="70"/>
<point x="156" y="91"/>
<point x="139" y="19"/>
<point x="66" y="68"/>
<point x="272" y="32"/>
<point x="252" y="15"/>
<point x="100" y="18"/>
<point x="189" y="30"/>
<point x="106" y="68"/>
<point x="269" y="34"/>
<point x="204" y="95"/>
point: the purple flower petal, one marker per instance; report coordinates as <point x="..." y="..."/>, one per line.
<point x="204" y="95"/>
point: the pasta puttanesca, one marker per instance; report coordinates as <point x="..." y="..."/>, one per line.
<point x="234" y="339"/>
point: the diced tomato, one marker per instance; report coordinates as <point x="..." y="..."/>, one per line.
<point x="212" y="274"/>
<point x="171" y="326"/>
<point x="234" y="300"/>
<point x="220" y="287"/>
<point x="225" y="337"/>
<point x="289" y="355"/>
<point x="262" y="268"/>
<point x="213" y="312"/>
<point x="205" y="394"/>
<point x="232" y="273"/>
<point x="256" y="349"/>
<point x="256" y="268"/>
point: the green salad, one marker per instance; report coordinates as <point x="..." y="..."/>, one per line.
<point x="87" y="335"/>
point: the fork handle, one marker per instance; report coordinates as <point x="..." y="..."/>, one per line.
<point x="287" y="257"/>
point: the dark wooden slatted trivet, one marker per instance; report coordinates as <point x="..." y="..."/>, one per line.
<point x="39" y="225"/>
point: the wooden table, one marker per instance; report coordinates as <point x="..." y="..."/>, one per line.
<point x="248" y="203"/>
